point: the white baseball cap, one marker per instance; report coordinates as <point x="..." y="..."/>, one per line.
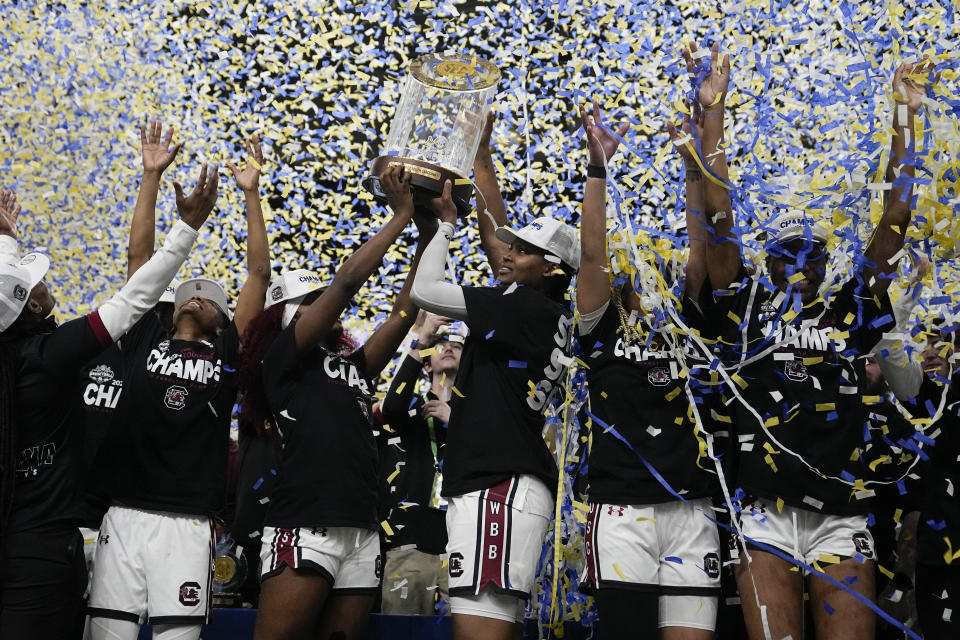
<point x="202" y="288"/>
<point x="793" y="225"/>
<point x="16" y="281"/>
<point x="292" y="284"/>
<point x="170" y="293"/>
<point x="554" y="237"/>
<point x="454" y="332"/>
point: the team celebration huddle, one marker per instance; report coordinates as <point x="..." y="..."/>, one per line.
<point x="750" y="435"/>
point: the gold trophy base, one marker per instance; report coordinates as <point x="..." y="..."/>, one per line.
<point x="427" y="180"/>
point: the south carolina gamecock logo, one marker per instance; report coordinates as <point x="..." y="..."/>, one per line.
<point x="711" y="565"/>
<point x="19" y="293"/>
<point x="659" y="376"/>
<point x="795" y="370"/>
<point x="176" y="397"/>
<point x="190" y="594"/>
<point x="456" y="565"/>
<point x="276" y="294"/>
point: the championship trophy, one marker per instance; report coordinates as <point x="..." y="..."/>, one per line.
<point x="437" y="125"/>
<point x="229" y="573"/>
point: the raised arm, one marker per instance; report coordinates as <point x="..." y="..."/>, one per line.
<point x="9" y="213"/>
<point x="382" y="345"/>
<point x="431" y="291"/>
<point x="697" y="234"/>
<point x="593" y="280"/>
<point x="250" y="301"/>
<point x="157" y="156"/>
<point x="909" y="86"/>
<point x="723" y="260"/>
<point x="318" y="319"/>
<point x="491" y="211"/>
<point x="399" y="396"/>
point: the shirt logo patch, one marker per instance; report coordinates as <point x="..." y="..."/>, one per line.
<point x="190" y="594"/>
<point x="101" y="374"/>
<point x="659" y="376"/>
<point x="795" y="370"/>
<point x="176" y="397"/>
<point x="19" y="293"/>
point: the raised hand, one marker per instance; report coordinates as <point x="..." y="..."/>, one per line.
<point x="713" y="86"/>
<point x="396" y="183"/>
<point x="157" y="153"/>
<point x="426" y="328"/>
<point x="910" y="82"/>
<point x="249" y="178"/>
<point x="9" y="212"/>
<point x="196" y="207"/>
<point x="601" y="143"/>
<point x="443" y="206"/>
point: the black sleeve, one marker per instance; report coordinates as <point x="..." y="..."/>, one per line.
<point x="718" y="314"/>
<point x="399" y="398"/>
<point x="866" y="317"/>
<point x="229" y="343"/>
<point x="515" y="320"/>
<point x="74" y="343"/>
<point x="281" y="364"/>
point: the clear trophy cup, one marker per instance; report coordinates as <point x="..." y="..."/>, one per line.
<point x="436" y="128"/>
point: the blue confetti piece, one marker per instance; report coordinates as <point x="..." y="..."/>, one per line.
<point x="256" y="485"/>
<point x="518" y="364"/>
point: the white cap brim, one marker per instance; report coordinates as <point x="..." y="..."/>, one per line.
<point x="202" y="288"/>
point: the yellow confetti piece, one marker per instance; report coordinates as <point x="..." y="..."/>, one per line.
<point x="387" y="528"/>
<point x="826" y="406"/>
<point x="779" y="505"/>
<point x="457" y="392"/>
<point x="393" y="476"/>
<point x="616" y="568"/>
<point x="400" y="387"/>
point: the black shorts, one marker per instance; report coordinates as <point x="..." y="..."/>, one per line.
<point x="44" y="579"/>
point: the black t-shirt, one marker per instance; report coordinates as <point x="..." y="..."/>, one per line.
<point x="174" y="420"/>
<point x="807" y="390"/>
<point x="514" y="360"/>
<point x="322" y="405"/>
<point x="49" y="444"/>
<point x="637" y="390"/>
<point x="940" y="477"/>
<point x="407" y="466"/>
<point x="101" y="386"/>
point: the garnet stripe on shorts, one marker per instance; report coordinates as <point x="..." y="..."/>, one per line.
<point x="593" y="571"/>
<point x="493" y="544"/>
<point x="285" y="548"/>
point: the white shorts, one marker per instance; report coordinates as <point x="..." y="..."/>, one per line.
<point x="669" y="548"/>
<point x="152" y="565"/>
<point x="348" y="557"/>
<point x="806" y="535"/>
<point x="494" y="539"/>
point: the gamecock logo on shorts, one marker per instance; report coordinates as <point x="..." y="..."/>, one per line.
<point x="190" y="594"/>
<point x="711" y="565"/>
<point x="176" y="397"/>
<point x="861" y="543"/>
<point x="455" y="566"/>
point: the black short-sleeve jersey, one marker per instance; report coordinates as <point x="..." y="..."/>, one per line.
<point x="322" y="405"/>
<point x="49" y="446"/>
<point x="174" y="420"/>
<point x="638" y="392"/>
<point x="800" y="375"/>
<point x="101" y="386"/>
<point x="515" y="358"/>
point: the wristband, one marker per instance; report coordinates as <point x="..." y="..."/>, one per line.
<point x="593" y="171"/>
